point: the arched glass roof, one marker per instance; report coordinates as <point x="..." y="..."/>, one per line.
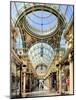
<point x="42" y="22"/>
<point x="39" y="22"/>
<point x="41" y="53"/>
<point x="17" y="7"/>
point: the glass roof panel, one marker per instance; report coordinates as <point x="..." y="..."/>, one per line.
<point x="42" y="21"/>
<point x="39" y="14"/>
<point x="41" y="55"/>
<point x="41" y="17"/>
<point x="69" y="13"/>
<point x="13" y="11"/>
<point x="63" y="8"/>
<point x="19" y="5"/>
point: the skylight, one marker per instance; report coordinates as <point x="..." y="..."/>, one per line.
<point x="41" y="53"/>
<point x="42" y="21"/>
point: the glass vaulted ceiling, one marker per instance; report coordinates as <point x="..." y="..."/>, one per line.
<point x="41" y="53"/>
<point x="42" y="20"/>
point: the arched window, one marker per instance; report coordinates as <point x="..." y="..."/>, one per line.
<point x="19" y="42"/>
<point x="63" y="42"/>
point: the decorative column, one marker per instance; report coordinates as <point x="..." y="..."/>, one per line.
<point x="24" y="81"/>
<point x="71" y="74"/>
<point x="20" y="94"/>
<point x="59" y="81"/>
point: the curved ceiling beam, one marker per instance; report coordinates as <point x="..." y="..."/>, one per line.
<point x="46" y="8"/>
